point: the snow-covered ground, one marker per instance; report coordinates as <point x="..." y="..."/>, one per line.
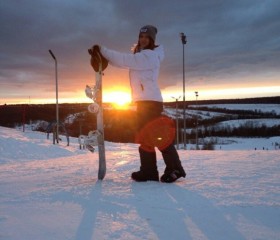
<point x="51" y="192"/>
<point x="244" y="144"/>
<point x="202" y="114"/>
<point x="171" y="112"/>
<point x="265" y="108"/>
<point x="270" y="122"/>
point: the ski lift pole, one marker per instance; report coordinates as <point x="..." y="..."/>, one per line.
<point x="184" y="41"/>
<point x="177" y="125"/>
<point x="56" y="84"/>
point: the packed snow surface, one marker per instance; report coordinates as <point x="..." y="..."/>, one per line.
<point x="51" y="192"/>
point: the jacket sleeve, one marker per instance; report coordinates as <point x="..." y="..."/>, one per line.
<point x="143" y="60"/>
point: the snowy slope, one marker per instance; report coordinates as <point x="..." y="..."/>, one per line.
<point x="51" y="192"/>
<point x="265" y="108"/>
<point x="171" y="112"/>
<point x="270" y="122"/>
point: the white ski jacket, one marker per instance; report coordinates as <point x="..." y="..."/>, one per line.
<point x="143" y="71"/>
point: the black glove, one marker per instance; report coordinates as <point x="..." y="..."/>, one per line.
<point x="96" y="58"/>
<point x="94" y="49"/>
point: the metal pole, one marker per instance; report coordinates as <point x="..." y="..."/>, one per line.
<point x="23" y="118"/>
<point x="184" y="41"/>
<point x="196" y="133"/>
<point x="177" y="125"/>
<point x="56" y="84"/>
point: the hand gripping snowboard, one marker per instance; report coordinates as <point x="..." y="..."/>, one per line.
<point x="95" y="93"/>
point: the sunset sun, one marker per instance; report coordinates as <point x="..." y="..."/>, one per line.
<point x="119" y="99"/>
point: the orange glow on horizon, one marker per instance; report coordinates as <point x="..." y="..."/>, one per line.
<point x="121" y="98"/>
<point x="222" y="93"/>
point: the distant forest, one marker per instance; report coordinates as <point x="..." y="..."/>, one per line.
<point x="119" y="125"/>
<point x="264" y="100"/>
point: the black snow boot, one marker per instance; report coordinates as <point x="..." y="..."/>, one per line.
<point x="148" y="169"/>
<point x="171" y="176"/>
<point x="174" y="169"/>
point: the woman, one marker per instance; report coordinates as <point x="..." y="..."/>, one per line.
<point x="144" y="65"/>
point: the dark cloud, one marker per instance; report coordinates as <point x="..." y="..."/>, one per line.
<point x="225" y="38"/>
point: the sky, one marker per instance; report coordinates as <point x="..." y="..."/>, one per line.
<point x="232" y="50"/>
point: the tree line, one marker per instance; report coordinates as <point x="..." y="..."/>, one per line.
<point x="120" y="125"/>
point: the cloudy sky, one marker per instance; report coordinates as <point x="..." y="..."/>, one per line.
<point x="233" y="48"/>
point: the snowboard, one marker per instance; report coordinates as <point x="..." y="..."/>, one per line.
<point x="96" y="138"/>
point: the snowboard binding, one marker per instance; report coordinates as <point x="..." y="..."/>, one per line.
<point x="91" y="92"/>
<point x="92" y="140"/>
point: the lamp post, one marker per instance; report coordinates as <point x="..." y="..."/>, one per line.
<point x="177" y="127"/>
<point x="56" y="84"/>
<point x="196" y="132"/>
<point x="184" y="41"/>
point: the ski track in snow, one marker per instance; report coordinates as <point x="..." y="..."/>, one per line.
<point x="51" y="192"/>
